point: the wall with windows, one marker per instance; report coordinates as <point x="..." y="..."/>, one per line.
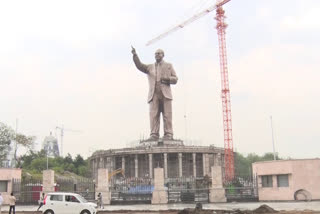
<point x="288" y="179"/>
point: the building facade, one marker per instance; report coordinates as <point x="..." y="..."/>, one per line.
<point x="174" y="157"/>
<point x="288" y="179"/>
<point x="6" y="177"/>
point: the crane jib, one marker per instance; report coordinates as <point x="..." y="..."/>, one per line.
<point x="188" y="21"/>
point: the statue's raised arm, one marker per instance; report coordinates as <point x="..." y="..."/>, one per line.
<point x="142" y="67"/>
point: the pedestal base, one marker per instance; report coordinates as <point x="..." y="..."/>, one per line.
<point x="217" y="195"/>
<point x="159" y="197"/>
<point x="160" y="142"/>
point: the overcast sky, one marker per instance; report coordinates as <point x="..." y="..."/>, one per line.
<point x="69" y="63"/>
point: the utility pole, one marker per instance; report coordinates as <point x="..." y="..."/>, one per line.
<point x="61" y="139"/>
<point x="13" y="161"/>
<point x="274" y="151"/>
<point x="47" y="157"/>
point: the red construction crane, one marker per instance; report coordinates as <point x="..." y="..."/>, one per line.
<point x="225" y="91"/>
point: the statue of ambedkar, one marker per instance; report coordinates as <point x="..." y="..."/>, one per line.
<point x="160" y="75"/>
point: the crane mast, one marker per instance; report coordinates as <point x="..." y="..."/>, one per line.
<point x="225" y="96"/>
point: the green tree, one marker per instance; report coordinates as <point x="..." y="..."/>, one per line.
<point x="269" y="156"/>
<point x="25" y="160"/>
<point x="68" y="159"/>
<point x="6" y="136"/>
<point x="243" y="165"/>
<point x="70" y="167"/>
<point x="35" y="162"/>
<point x="83" y="171"/>
<point x="23" y="141"/>
<point x="39" y="164"/>
<point x="79" y="161"/>
<point x="58" y="161"/>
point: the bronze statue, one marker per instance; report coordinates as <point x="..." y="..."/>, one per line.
<point x="160" y="75"/>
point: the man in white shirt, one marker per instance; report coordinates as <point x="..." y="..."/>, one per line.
<point x="12" y="203"/>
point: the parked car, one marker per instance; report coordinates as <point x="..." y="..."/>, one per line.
<point x="67" y="203"/>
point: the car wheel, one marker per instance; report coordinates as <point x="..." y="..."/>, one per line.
<point x="49" y="212"/>
<point x="85" y="212"/>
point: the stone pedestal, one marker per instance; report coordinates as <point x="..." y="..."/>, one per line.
<point x="217" y="192"/>
<point x="160" y="142"/>
<point x="103" y="186"/>
<point x="159" y="195"/>
<point x="48" y="181"/>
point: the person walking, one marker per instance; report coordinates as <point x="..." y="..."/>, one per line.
<point x="100" y="202"/>
<point x="12" y="203"/>
<point x="40" y="201"/>
<point x="1" y="201"/>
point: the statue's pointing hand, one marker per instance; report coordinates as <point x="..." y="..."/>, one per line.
<point x="133" y="51"/>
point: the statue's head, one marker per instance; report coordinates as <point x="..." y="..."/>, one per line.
<point x="159" y="54"/>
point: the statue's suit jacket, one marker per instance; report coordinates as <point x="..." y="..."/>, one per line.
<point x="165" y="70"/>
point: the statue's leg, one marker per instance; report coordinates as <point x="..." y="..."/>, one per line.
<point x="154" y="118"/>
<point x="167" y="118"/>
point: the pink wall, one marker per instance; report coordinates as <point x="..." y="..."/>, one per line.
<point x="7" y="174"/>
<point x="302" y="174"/>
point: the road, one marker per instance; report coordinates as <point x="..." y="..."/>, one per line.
<point x="285" y="206"/>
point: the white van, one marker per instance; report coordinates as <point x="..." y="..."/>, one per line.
<point x="67" y="203"/>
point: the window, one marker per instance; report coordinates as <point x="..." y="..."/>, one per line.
<point x="266" y="181"/>
<point x="74" y="199"/>
<point x="283" y="180"/>
<point x="3" y="186"/>
<point x="71" y="198"/>
<point x="56" y="198"/>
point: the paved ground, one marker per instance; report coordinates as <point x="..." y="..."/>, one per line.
<point x="285" y="206"/>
